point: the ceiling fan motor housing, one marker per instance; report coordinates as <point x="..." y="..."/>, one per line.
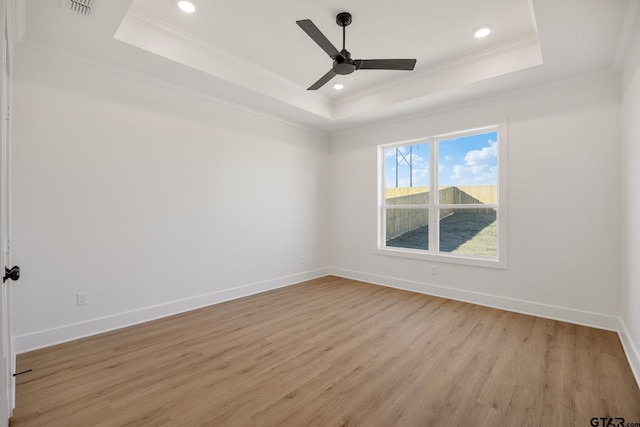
<point x="344" y="65"/>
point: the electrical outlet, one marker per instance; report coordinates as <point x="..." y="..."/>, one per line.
<point x="434" y="271"/>
<point x="82" y="298"/>
<point x="301" y="260"/>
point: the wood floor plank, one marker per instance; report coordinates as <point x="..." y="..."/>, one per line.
<point x="332" y="352"/>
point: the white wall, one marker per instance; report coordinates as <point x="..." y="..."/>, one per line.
<point x="563" y="194"/>
<point x="155" y="201"/>
<point x="151" y="200"/>
<point x="630" y="161"/>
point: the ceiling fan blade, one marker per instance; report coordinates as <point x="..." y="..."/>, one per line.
<point x="385" y="64"/>
<point x="317" y="36"/>
<point x="323" y="80"/>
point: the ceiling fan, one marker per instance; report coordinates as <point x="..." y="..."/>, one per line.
<point x="342" y="62"/>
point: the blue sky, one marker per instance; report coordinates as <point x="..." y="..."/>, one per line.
<point x="469" y="160"/>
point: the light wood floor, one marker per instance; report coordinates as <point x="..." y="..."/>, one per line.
<point x="332" y="352"/>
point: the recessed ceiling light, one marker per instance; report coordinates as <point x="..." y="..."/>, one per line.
<point x="186" y="6"/>
<point x="482" y="31"/>
<point x="338" y="86"/>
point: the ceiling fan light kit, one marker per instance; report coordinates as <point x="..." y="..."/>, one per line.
<point x="343" y="64"/>
<point x="187" y="6"/>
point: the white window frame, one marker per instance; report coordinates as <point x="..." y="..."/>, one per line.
<point x="500" y="261"/>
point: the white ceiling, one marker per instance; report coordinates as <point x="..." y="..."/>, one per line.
<point x="255" y="56"/>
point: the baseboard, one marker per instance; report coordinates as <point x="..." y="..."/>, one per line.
<point x="630" y="349"/>
<point x="596" y="320"/>
<point x="58" y="335"/>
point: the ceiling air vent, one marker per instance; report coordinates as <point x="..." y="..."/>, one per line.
<point x="81" y="6"/>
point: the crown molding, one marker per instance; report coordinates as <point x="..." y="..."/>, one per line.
<point x="160" y="25"/>
<point x="511" y="47"/>
<point x="104" y="65"/>
<point x="147" y="33"/>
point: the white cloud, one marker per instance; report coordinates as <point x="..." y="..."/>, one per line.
<point x="479" y="166"/>
<point x="481" y="157"/>
<point x="460" y="172"/>
<point x="421" y="174"/>
<point x="416" y="158"/>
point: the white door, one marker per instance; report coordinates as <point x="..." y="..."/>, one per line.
<point x="6" y="377"/>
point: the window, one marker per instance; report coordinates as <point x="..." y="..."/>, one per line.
<point x="464" y="220"/>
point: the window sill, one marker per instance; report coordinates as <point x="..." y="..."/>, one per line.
<point x="451" y="259"/>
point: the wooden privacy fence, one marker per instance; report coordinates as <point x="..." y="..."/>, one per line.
<point x="401" y="221"/>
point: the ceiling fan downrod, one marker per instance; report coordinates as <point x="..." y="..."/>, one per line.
<point x="344" y="19"/>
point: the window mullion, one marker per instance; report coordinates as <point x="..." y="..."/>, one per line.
<point x="433" y="197"/>
<point x="406" y="206"/>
